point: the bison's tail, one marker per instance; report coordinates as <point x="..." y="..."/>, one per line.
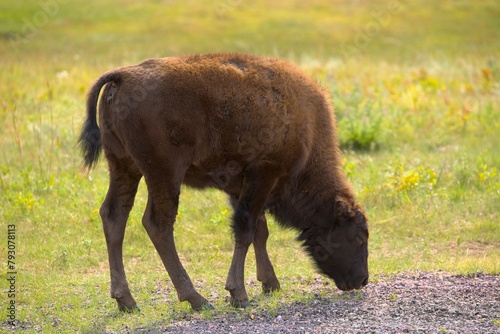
<point x="90" y="138"/>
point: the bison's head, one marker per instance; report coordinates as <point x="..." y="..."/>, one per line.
<point x="340" y="247"/>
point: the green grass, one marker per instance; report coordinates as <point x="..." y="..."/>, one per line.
<point x="418" y="116"/>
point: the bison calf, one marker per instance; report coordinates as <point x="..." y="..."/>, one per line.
<point x="256" y="128"/>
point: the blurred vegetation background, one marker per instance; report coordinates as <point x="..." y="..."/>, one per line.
<point x="122" y="31"/>
<point x="415" y="86"/>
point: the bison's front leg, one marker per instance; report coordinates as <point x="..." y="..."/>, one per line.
<point x="265" y="270"/>
<point x="247" y="210"/>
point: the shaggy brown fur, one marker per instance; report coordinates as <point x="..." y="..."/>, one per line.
<point x="256" y="128"/>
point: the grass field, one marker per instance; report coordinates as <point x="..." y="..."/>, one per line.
<point x="416" y="89"/>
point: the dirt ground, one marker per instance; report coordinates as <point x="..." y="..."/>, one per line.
<point x="419" y="303"/>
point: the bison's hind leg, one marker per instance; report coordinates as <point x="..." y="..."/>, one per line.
<point x="124" y="180"/>
<point x="163" y="179"/>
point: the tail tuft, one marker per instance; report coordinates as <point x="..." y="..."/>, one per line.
<point x="90" y="139"/>
<point x="90" y="142"/>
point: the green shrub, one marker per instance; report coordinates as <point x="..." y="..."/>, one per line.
<point x="359" y="121"/>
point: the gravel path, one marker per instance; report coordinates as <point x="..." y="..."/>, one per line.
<point x="421" y="303"/>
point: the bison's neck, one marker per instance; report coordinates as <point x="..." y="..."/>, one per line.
<point x="309" y="198"/>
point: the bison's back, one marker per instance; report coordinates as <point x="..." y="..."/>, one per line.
<point x="232" y="109"/>
<point x="262" y="105"/>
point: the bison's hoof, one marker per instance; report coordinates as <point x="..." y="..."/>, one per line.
<point x="127" y="309"/>
<point x="203" y="307"/>
<point x="239" y="303"/>
<point x="199" y="303"/>
<point x="269" y="287"/>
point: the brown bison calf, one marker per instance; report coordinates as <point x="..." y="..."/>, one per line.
<point x="256" y="128"/>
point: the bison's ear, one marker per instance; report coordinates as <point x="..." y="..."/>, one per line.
<point x="360" y="218"/>
<point x="342" y="211"/>
<point x="341" y="205"/>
